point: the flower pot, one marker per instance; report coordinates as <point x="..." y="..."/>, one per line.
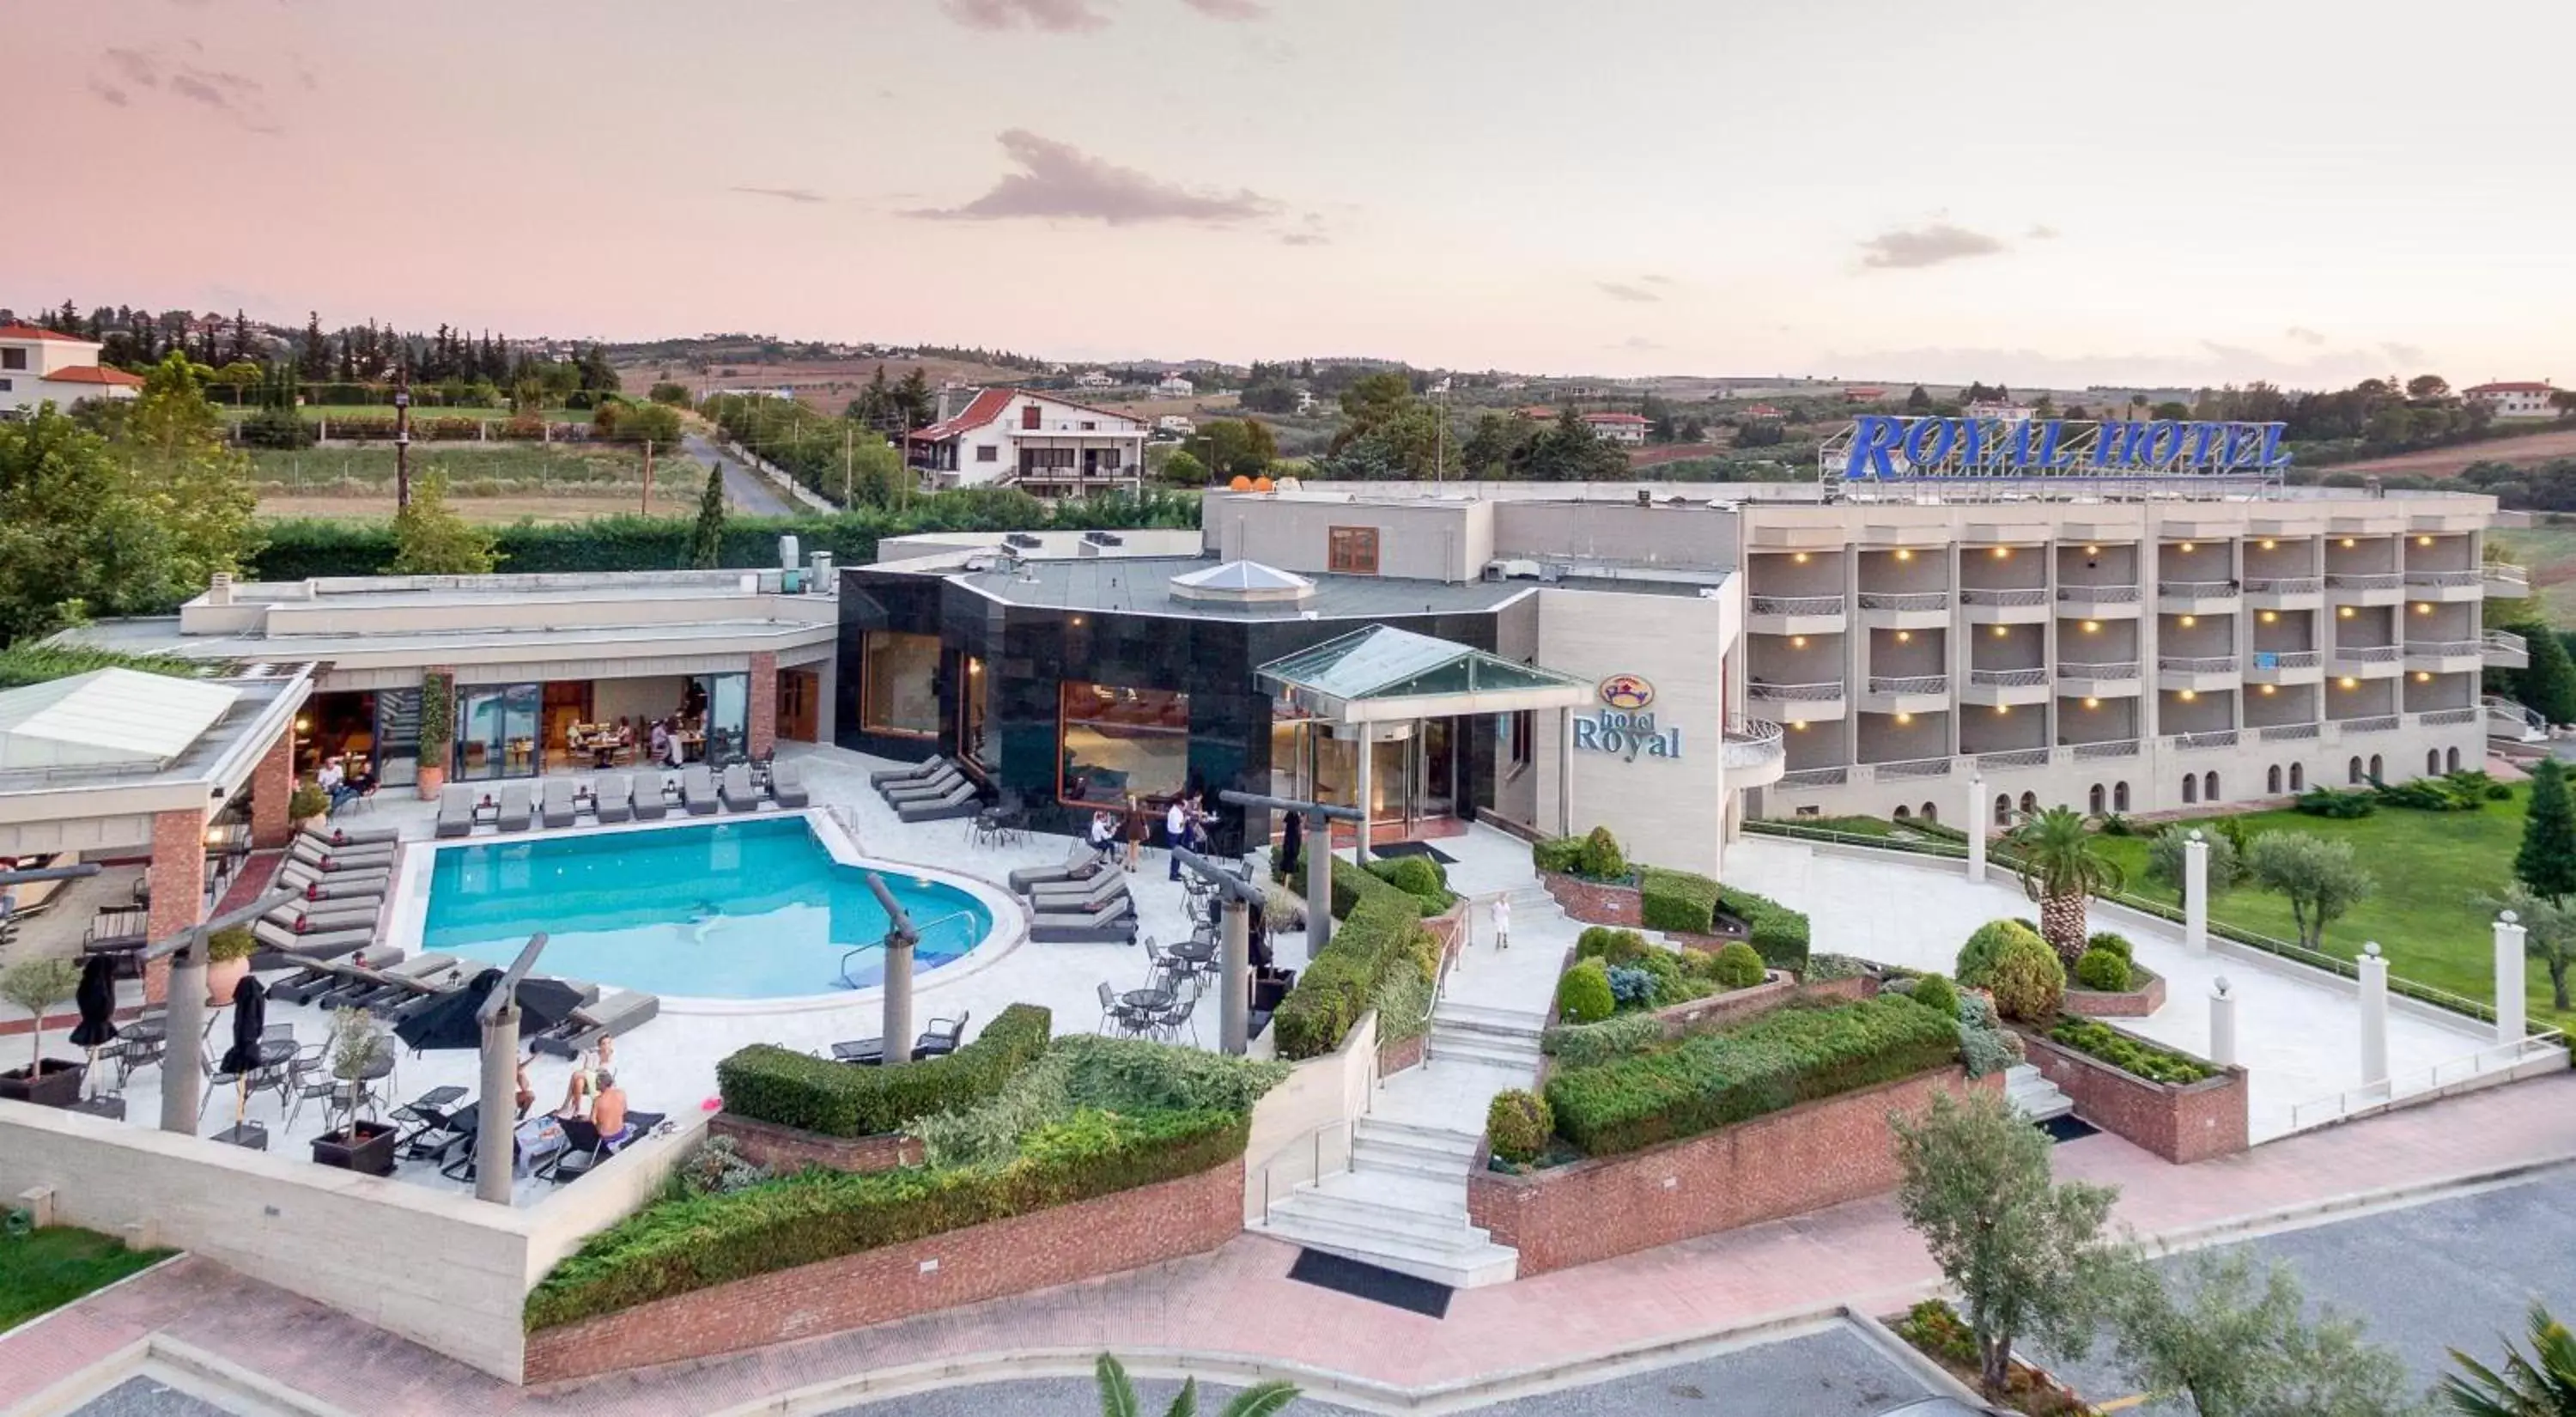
<point x="223" y="976"/>
<point x="367" y="1148"/>
<point x="430" y="780"/>
<point x="56" y="1083"/>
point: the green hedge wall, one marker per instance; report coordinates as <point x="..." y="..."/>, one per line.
<point x="1383" y="933"/>
<point x="1776" y="932"/>
<point x="678" y="1246"/>
<point x="791" y="1089"/>
<point x="1676" y="900"/>
<point x="1790" y="1055"/>
<point x="1352" y="885"/>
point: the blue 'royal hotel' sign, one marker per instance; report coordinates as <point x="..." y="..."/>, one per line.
<point x="1889" y="448"/>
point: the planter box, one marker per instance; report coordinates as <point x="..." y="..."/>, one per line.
<point x="1598" y="903"/>
<point x="370" y="1154"/>
<point x="57" y="1083"/>
<point x="2145" y="995"/>
<point x="785" y="1149"/>
<point x="2182" y="1123"/>
<point x="1811" y="1156"/>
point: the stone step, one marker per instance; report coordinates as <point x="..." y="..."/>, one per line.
<point x="1379" y="1155"/>
<point x="1417" y="1135"/>
<point x="1400" y="1223"/>
<point x="1483" y="1053"/>
<point x="1488" y="1029"/>
<point x="1468" y="1261"/>
<point x="2031" y="1093"/>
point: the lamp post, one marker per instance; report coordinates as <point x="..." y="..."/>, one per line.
<point x="1239" y="896"/>
<point x="896" y="1026"/>
<point x="1319" y="858"/>
<point x="184" y="1037"/>
<point x="493" y="1124"/>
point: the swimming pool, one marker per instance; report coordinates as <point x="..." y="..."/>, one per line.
<point x="733" y="910"/>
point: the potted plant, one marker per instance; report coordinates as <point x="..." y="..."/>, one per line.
<point x="37" y="985"/>
<point x="308" y="806"/>
<point x="437" y="732"/>
<point x="355" y="1145"/>
<point x="228" y="953"/>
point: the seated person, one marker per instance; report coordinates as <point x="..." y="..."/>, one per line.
<point x="333" y="779"/>
<point x="576" y="1095"/>
<point x="608" y="1112"/>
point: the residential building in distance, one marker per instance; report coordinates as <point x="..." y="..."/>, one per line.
<point x="2514" y="399"/>
<point x="38" y="367"/>
<point x="1094" y="379"/>
<point x="1175" y="425"/>
<point x="1041" y="444"/>
<point x="1176" y="387"/>
<point x="1628" y="429"/>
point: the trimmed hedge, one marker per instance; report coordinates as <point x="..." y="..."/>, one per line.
<point x="1676" y="900"/>
<point x="2102" y="970"/>
<point x="1790" y="1055"/>
<point x="1350" y="887"/>
<point x="1738" y="966"/>
<point x="1584" y="995"/>
<point x="679" y="1246"/>
<point x="1383" y="933"/>
<point x="2134" y="1056"/>
<point x="1416" y="876"/>
<point x="790" y="1089"/>
<point x="1776" y="932"/>
<point x="1518" y="1124"/>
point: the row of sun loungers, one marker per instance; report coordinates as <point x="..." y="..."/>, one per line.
<point x="340" y="879"/>
<point x="611" y="1017"/>
<point x="935" y="791"/>
<point x="618" y="797"/>
<point x="1082" y="901"/>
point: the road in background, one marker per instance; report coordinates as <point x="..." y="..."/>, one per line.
<point x="747" y="491"/>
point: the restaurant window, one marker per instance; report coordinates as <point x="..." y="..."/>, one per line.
<point x="1352" y="550"/>
<point x="1116" y="742"/>
<point x="899" y="684"/>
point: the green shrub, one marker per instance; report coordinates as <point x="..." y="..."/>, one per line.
<point x="2111" y="940"/>
<point x="1382" y="934"/>
<point x="1350" y="887"/>
<point x="1777" y="933"/>
<point x="1583" y="1044"/>
<point x="1676" y="900"/>
<point x="1558" y="855"/>
<point x="1976" y="964"/>
<point x="2128" y="1053"/>
<point x="1518" y="1123"/>
<point x="233" y="942"/>
<point x="1583" y="995"/>
<point x="306" y="802"/>
<point x="1825" y="968"/>
<point x="792" y="1089"/>
<point x="1676" y="979"/>
<point x="1611" y="944"/>
<point x="2341" y="806"/>
<point x="2102" y="971"/>
<point x="1414" y="875"/>
<point x="1937" y="993"/>
<point x="676" y="1246"/>
<point x="2028" y="980"/>
<point x="1601" y="858"/>
<point x="1631" y="988"/>
<point x="1738" y="967"/>
<point x="1778" y="1059"/>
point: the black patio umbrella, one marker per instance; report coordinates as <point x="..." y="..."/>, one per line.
<point x="450" y="1022"/>
<point x="250" y="1019"/>
<point x="97" y="1000"/>
<point x="1296" y="837"/>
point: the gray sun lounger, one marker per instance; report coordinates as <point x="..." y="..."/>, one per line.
<point x="959" y="801"/>
<point x="896" y="777"/>
<point x="320" y="977"/>
<point x="698" y="790"/>
<point x="1061" y="896"/>
<point x="611" y="1017"/>
<point x="787" y="786"/>
<point x="341" y="838"/>
<point x="734" y="789"/>
<point x="515" y="812"/>
<point x="1078" y="866"/>
<point x="650" y="804"/>
<point x="315" y="917"/>
<point x="336" y="858"/>
<point x="556" y="806"/>
<point x="1114" y="923"/>
<point x="317" y="884"/>
<point x="612" y="798"/>
<point x="286" y="941"/>
<point x="455" y="810"/>
<point x="936" y="785"/>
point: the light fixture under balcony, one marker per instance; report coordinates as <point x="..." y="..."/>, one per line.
<point x="1798" y="641"/>
<point x="2269" y="543"/>
<point x="2271" y="615"/>
<point x="2344" y="614"/>
<point x="2092" y="703"/>
<point x="2347" y="543"/>
<point x="2347" y="682"/>
<point x="2090" y="626"/>
<point x="2423" y="609"/>
<point x="2187" y="547"/>
<point x="2188" y="621"/>
<point x="2002" y="551"/>
<point x="2002" y="630"/>
<point x="2269" y="690"/>
<point x="1905" y="718"/>
<point x="1800" y="558"/>
<point x="1904" y="555"/>
<point x="2189" y="694"/>
<point x="1905" y="637"/>
<point x="2423" y="676"/>
<point x="2423" y="541"/>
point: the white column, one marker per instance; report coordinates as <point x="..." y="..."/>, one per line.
<point x="1976" y="823"/>
<point x="2195" y="894"/>
<point x="1235" y="1013"/>
<point x="2510" y="961"/>
<point x="1565" y="772"/>
<point x="496" y="1119"/>
<point x="1367" y="794"/>
<point x="2374" y="1015"/>
<point x="2222" y="1023"/>
<point x="894" y="1026"/>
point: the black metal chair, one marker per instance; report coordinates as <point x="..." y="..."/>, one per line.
<point x="941" y="1038"/>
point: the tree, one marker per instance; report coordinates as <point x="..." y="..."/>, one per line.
<point x="914" y="401"/>
<point x="2061" y="869"/>
<point x="2541" y="1383"/>
<point x="2170" y="409"/>
<point x="1118" y="1395"/>
<point x="2233" y="1348"/>
<point x="670" y="393"/>
<point x="430" y="540"/>
<point x="2548" y="934"/>
<point x="2548" y="686"/>
<point x="2547" y="860"/>
<point x="313" y="358"/>
<point x="1918" y="401"/>
<point x="1234" y="447"/>
<point x="2320" y="878"/>
<point x="1268" y="395"/>
<point x="1183" y="470"/>
<point x="2564" y="400"/>
<point x="2168" y="849"/>
<point x="2025" y="1253"/>
<point x="706" y="542"/>
<point x="2428" y="388"/>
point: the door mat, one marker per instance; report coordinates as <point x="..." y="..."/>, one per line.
<point x="1368" y="1281"/>
<point x="2067" y="1128"/>
<point x="1414" y="848"/>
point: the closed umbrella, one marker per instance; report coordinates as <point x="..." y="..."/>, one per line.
<point x="97" y="1000"/>
<point x="451" y="1023"/>
<point x="1296" y="837"/>
<point x="250" y="1020"/>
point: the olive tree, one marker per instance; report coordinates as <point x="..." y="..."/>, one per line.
<point x="2232" y="1343"/>
<point x="2321" y="878"/>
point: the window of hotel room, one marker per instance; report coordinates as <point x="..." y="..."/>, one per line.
<point x="1518" y="733"/>
<point x="1114" y="741"/>
<point x="1351" y="550"/>
<point x="899" y="684"/>
<point x="974" y="713"/>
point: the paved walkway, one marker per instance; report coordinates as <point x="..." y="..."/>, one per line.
<point x="1239" y="1302"/>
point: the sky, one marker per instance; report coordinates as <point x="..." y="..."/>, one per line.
<point x="2193" y="192"/>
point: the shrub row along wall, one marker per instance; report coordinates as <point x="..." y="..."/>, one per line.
<point x="790" y="1089"/>
<point x="2181" y="1123"/>
<point x="1382" y="932"/>
<point x="1684" y="906"/>
<point x="784" y="1149"/>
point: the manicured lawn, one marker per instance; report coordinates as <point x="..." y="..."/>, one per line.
<point x="2431" y="868"/>
<point x="53" y="1266"/>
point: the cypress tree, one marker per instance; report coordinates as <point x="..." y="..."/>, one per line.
<point x="2547" y="861"/>
<point x="706" y="543"/>
<point x="2549" y="685"/>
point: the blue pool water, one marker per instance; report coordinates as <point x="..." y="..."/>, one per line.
<point x="736" y="910"/>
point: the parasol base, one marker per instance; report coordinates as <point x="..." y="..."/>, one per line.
<point x="251" y="1136"/>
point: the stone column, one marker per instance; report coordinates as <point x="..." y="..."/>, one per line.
<point x="1366" y="789"/>
<point x="1976" y="823"/>
<point x="498" y="1117"/>
<point x="2222" y="1024"/>
<point x="1319" y="886"/>
<point x="185" y="979"/>
<point x="896" y="1026"/>
<point x="1235" y="1016"/>
<point x="2195" y="894"/>
<point x="178" y="878"/>
<point x="271" y="783"/>
<point x="2510" y="960"/>
<point x="2374" y="1015"/>
<point x="764" y="703"/>
<point x="1565" y="772"/>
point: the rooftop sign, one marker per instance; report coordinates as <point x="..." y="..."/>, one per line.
<point x="1886" y="448"/>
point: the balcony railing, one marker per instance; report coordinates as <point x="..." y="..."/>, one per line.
<point x="2439" y="579"/>
<point x="2099" y="594"/>
<point x="1912" y="768"/>
<point x="2445" y="649"/>
<point x="1905" y="600"/>
<point x="2197" y="590"/>
<point x="1909" y="683"/>
<point x="2291" y="732"/>
<point x="2379" y="723"/>
<point x="1794" y="693"/>
<point x="1812" y="779"/>
<point x="1750" y="743"/>
<point x="2097" y="669"/>
<point x="2285" y="659"/>
<point x="2020" y="595"/>
<point x="2118" y="748"/>
<point x="2013" y="760"/>
<point x="2449" y="717"/>
<point x="2368" y="654"/>
<point x="2009" y="678"/>
<point x="2505" y="641"/>
<point x="2284" y="585"/>
<point x="2196" y="663"/>
<point x="1793" y="604"/>
<point x="2196" y="742"/>
<point x="2376" y="580"/>
<point x="2503" y="581"/>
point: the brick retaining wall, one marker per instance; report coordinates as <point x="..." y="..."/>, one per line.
<point x="1596" y="903"/>
<point x="785" y="1149"/>
<point x="1127" y="1230"/>
<point x="2139" y="1002"/>
<point x="2182" y="1124"/>
<point x="1811" y="1156"/>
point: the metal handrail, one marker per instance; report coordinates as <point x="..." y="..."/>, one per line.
<point x="2009" y="678"/>
<point x="2097" y="669"/>
<point x="1909" y="683"/>
<point x="2505" y="640"/>
<point x="1793" y="605"/>
<point x="1316" y="1152"/>
<point x="2370" y="580"/>
<point x="2198" y="590"/>
<point x="2387" y="1091"/>
<point x="2100" y="594"/>
<point x="2444" y="578"/>
<point x="2444" y="649"/>
<point x="1794" y="693"/>
<point x="2368" y="654"/>
<point x="2511" y="577"/>
<point x="2015" y="595"/>
<point x="2197" y="663"/>
<point x="1905" y="600"/>
<point x="2284" y="585"/>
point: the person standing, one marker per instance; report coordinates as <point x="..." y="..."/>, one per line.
<point x="1176" y="833"/>
<point x="1134" y="828"/>
<point x="1503" y="921"/>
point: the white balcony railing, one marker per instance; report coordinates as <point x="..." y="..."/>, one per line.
<point x="2445" y="649"/>
<point x="2196" y="663"/>
<point x="1905" y="600"/>
<point x="2019" y="595"/>
<point x="2504" y="582"/>
<point x="1793" y="604"/>
<point x="1752" y="743"/>
<point x="2377" y="723"/>
<point x="2117" y="748"/>
<point x="2196" y="742"/>
<point x="1910" y="769"/>
<point x="2009" y="678"/>
<point x="2291" y="732"/>
<point x="2449" y="717"/>
<point x="1909" y="683"/>
<point x="2097" y="669"/>
<point x="2389" y="580"/>
<point x="2098" y="594"/>
<point x="1812" y="779"/>
<point x="2504" y="642"/>
<point x="2284" y="585"/>
<point x="1793" y="693"/>
<point x="2368" y="654"/>
<point x="2443" y="579"/>
<point x="2013" y="760"/>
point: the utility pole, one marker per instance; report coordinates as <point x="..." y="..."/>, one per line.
<point x="648" y="477"/>
<point x="402" y="441"/>
<point x="848" y="444"/>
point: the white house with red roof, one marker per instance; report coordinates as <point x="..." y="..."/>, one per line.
<point x="1629" y="428"/>
<point x="1041" y="444"/>
<point x="2514" y="399"/>
<point x="39" y="367"/>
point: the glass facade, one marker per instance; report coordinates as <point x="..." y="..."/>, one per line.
<point x="496" y="731"/>
<point x="1118" y="742"/>
<point x="899" y="692"/>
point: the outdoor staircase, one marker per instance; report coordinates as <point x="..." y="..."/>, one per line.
<point x="2033" y="1095"/>
<point x="1494" y="1038"/>
<point x="1402" y="1206"/>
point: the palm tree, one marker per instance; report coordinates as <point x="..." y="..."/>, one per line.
<point x="1118" y="1396"/>
<point x="2060" y="868"/>
<point x="2540" y="1385"/>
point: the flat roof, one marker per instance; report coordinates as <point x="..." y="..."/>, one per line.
<point x="162" y="636"/>
<point x="1141" y="585"/>
<point x="220" y="756"/>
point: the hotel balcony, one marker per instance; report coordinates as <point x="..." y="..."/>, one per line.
<point x="2285" y="666"/>
<point x="1756" y="753"/>
<point x="2503" y="582"/>
<point x="2204" y="742"/>
<point x="2099" y="602"/>
<point x="2446" y="656"/>
<point x="1799" y="703"/>
<point x="2011" y="687"/>
<point x="2374" y="588"/>
<point x="2016" y="606"/>
<point x="1813" y="779"/>
<point x="2198" y="597"/>
<point x="2506" y="650"/>
<point x="2446" y="585"/>
<point x="2012" y="760"/>
<point x="2285" y="592"/>
<point x="2098" y="679"/>
<point x="1907" y="693"/>
<point x="1905" y="610"/>
<point x="2198" y="673"/>
<point x="1796" y="615"/>
<point x="2365" y="661"/>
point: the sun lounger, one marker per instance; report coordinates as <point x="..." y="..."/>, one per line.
<point x="313" y="883"/>
<point x="787" y="786"/>
<point x="341" y="838"/>
<point x="514" y="807"/>
<point x="318" y="917"/>
<point x="286" y="941"/>
<point x="416" y="982"/>
<point x="1059" y="897"/>
<point x="736" y="791"/>
<point x="650" y="804"/>
<point x="959" y="801"/>
<point x="1114" y="923"/>
<point x="612" y="798"/>
<point x="896" y="777"/>
<point x="316" y="978"/>
<point x="933" y="786"/>
<point x="335" y="858"/>
<point x="36" y="897"/>
<point x="612" y="1017"/>
<point x="455" y="810"/>
<point x="698" y="790"/>
<point x="556" y="807"/>
<point x="1080" y="865"/>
